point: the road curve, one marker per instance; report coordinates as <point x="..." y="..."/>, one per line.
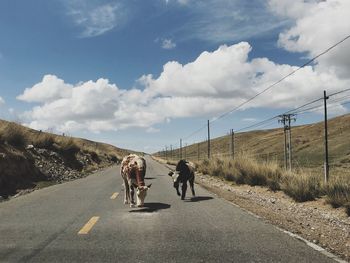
<point x="43" y="226"/>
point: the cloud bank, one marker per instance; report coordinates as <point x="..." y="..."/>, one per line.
<point x="317" y="25"/>
<point x="213" y="83"/>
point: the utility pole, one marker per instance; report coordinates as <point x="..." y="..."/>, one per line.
<point x="208" y="140"/>
<point x="326" y="161"/>
<point x="198" y="151"/>
<point x="185" y="151"/>
<point x="166" y="152"/>
<point x="286" y="119"/>
<point x="232" y="145"/>
<point x="283" y="120"/>
<point x="180" y="149"/>
<point x="171" y="151"/>
<point x="291" y="117"/>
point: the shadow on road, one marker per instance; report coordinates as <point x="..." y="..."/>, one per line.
<point x="199" y="198"/>
<point x="151" y="208"/>
<point x="150" y="178"/>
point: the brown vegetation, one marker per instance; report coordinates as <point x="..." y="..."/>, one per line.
<point x="28" y="157"/>
<point x="300" y="185"/>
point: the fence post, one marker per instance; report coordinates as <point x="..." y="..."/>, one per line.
<point x="326" y="161"/>
<point x="208" y="140"/>
<point x="171" y="152"/>
<point x="198" y="151"/>
<point x="232" y="145"/>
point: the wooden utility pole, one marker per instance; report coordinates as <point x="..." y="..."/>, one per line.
<point x="208" y="140"/>
<point x="326" y="160"/>
<point x="232" y="144"/>
<point x="198" y="151"/>
<point x="286" y="119"/>
<point x="290" y="118"/>
<point x="283" y="121"/>
<point x="166" y="152"/>
<point x="171" y="151"/>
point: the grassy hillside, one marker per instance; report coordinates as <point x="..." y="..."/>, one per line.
<point x="31" y="158"/>
<point x="26" y="136"/>
<point x="307" y="144"/>
<point x="259" y="161"/>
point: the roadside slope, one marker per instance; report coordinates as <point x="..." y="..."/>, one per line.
<point x="32" y="159"/>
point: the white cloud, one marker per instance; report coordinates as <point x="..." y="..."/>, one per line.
<point x="213" y="83"/>
<point x="2" y="101"/>
<point x="317" y="26"/>
<point x="96" y="19"/>
<point x="221" y="21"/>
<point x="49" y="89"/>
<point x="168" y="44"/>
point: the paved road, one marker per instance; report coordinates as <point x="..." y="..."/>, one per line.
<point x="43" y="226"/>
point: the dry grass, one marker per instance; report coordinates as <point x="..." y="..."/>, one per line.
<point x="338" y="192"/>
<point x="66" y="145"/>
<point x="13" y="134"/>
<point x="244" y="170"/>
<point x="301" y="185"/>
<point x="43" y="140"/>
<point x="20" y="136"/>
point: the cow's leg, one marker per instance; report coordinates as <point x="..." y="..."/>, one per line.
<point x="184" y="189"/>
<point x="192" y="185"/>
<point x="126" y="192"/>
<point x="132" y="193"/>
<point x="176" y="186"/>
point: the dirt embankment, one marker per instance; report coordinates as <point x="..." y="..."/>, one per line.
<point x="315" y="221"/>
<point x="23" y="170"/>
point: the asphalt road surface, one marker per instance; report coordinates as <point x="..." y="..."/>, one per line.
<point x="86" y="221"/>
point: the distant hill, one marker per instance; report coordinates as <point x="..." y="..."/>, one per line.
<point x="31" y="158"/>
<point x="307" y="144"/>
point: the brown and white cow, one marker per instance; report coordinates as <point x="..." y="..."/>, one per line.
<point x="133" y="171"/>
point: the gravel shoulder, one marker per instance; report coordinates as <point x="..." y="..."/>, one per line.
<point x="315" y="221"/>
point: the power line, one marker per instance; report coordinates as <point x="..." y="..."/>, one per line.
<point x="320" y="106"/>
<point x="257" y="124"/>
<point x="272" y="85"/>
<point x="282" y="79"/>
<point x="294" y="111"/>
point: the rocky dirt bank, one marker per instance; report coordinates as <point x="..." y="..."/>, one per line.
<point x="315" y="221"/>
<point x="25" y="170"/>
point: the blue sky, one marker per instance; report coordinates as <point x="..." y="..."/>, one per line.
<point x="141" y="74"/>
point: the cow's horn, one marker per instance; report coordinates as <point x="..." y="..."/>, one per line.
<point x="149" y="186"/>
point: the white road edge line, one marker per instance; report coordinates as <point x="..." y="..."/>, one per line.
<point x="308" y="243"/>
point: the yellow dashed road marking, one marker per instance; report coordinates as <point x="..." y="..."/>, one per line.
<point x="85" y="230"/>
<point x="114" y="196"/>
